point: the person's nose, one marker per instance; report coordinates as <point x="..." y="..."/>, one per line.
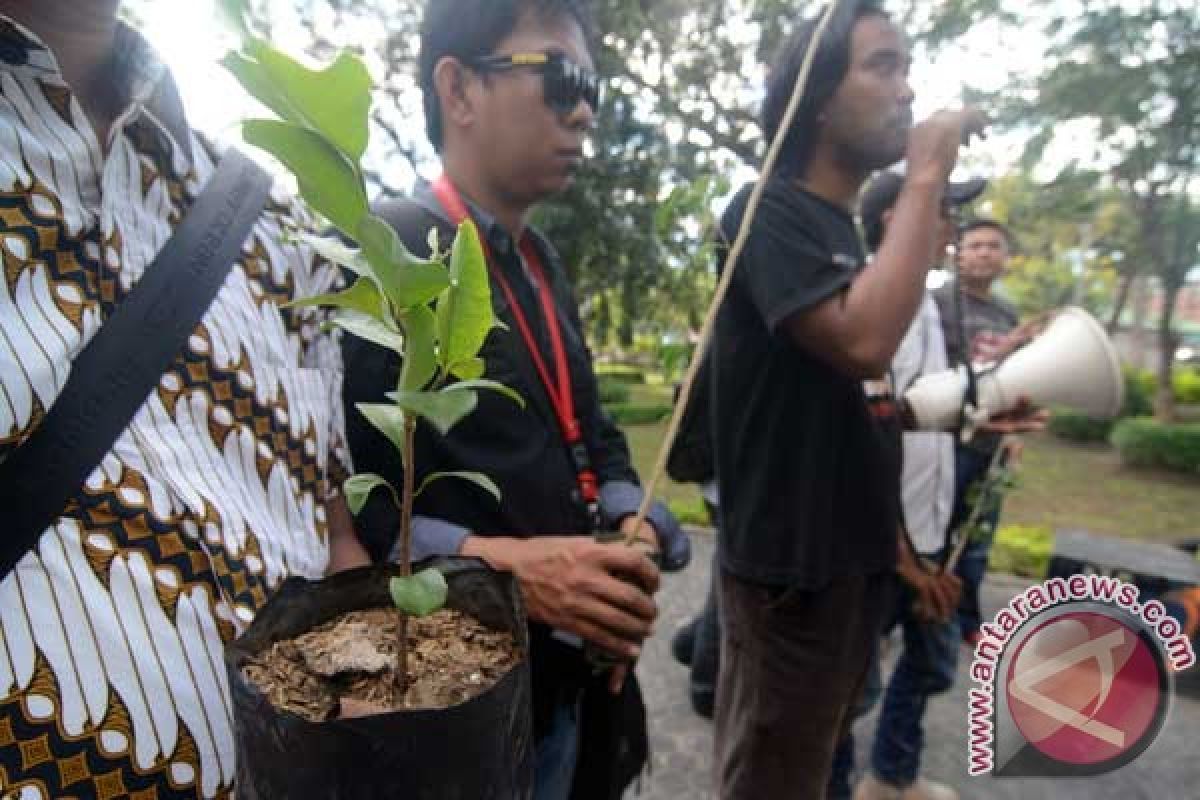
<point x="582" y="117"/>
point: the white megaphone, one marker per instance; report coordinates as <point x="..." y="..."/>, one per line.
<point x="1072" y="363"/>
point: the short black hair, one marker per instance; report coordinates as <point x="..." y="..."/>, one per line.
<point x="982" y="223"/>
<point x="471" y="29"/>
<point x="829" y="66"/>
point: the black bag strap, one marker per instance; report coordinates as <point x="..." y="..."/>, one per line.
<point x="113" y="375"/>
<point x="971" y="395"/>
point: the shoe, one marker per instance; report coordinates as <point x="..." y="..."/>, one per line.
<point x="683" y="642"/>
<point x="872" y="788"/>
<point x="972" y="639"/>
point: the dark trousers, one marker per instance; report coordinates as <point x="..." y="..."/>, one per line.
<point x="793" y="662"/>
<point x="706" y="634"/>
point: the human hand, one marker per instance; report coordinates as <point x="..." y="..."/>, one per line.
<point x="1024" y="417"/>
<point x="937" y="594"/>
<point x="1014" y="448"/>
<point x="600" y="592"/>
<point x="644" y="536"/>
<point x="989" y="346"/>
<point x="1026" y="332"/>
<point x="933" y="144"/>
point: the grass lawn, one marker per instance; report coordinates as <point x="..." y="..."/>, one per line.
<point x="644" y="441"/>
<point x="1061" y="485"/>
<point x="1066" y="485"/>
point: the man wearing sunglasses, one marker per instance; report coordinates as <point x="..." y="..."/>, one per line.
<point x="510" y="95"/>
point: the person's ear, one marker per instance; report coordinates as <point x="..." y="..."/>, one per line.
<point x="886" y="218"/>
<point x="453" y="82"/>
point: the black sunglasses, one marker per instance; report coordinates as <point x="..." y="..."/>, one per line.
<point x="564" y="83"/>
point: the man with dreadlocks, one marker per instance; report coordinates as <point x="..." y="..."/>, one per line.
<point x="806" y="429"/>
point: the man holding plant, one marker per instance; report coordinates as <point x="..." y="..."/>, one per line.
<point x="979" y="327"/>
<point x="510" y="95"/>
<point x="226" y="480"/>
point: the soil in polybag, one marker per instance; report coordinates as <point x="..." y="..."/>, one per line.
<point x="347" y="667"/>
<point x="478" y="747"/>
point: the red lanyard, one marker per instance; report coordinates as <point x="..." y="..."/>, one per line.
<point x="559" y="391"/>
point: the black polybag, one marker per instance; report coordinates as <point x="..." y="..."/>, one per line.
<point x="480" y="749"/>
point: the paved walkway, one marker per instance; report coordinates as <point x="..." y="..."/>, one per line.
<point x="682" y="741"/>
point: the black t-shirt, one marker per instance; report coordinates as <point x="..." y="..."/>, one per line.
<point x="809" y="482"/>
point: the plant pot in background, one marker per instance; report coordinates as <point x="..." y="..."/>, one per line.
<point x="482" y="748"/>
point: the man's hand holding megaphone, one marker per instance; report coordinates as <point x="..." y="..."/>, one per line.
<point x="1070" y="363"/>
<point x="1025" y="417"/>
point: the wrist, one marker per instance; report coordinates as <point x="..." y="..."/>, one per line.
<point x="496" y="551"/>
<point x="928" y="181"/>
<point x="909" y="573"/>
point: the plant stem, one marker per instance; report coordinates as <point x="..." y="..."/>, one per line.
<point x="406" y="504"/>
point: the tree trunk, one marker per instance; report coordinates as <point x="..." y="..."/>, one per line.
<point x="629" y="312"/>
<point x="1114" y="321"/>
<point x="1164" y="399"/>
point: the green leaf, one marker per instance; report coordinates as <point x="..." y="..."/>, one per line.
<point x="371" y="329"/>
<point x="477" y="478"/>
<point x="493" y="386"/>
<point x="328" y="181"/>
<point x="362" y="297"/>
<point x="469" y="370"/>
<point x="334" y="101"/>
<point x="359" y="487"/>
<point x="464" y="311"/>
<point x="406" y="280"/>
<point x="420" y="594"/>
<point x="420" y="349"/>
<point x="336" y="251"/>
<point x="258" y="83"/>
<point x="387" y="419"/>
<point x="443" y="410"/>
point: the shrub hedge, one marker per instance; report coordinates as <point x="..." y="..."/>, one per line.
<point x="633" y="414"/>
<point x="1069" y="424"/>
<point x="1187" y="386"/>
<point x="613" y="391"/>
<point x="690" y="511"/>
<point x="1023" y="550"/>
<point x="1146" y="442"/>
<point x="620" y="373"/>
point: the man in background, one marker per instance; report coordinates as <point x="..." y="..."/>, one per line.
<point x="927" y="663"/>
<point x="976" y="325"/>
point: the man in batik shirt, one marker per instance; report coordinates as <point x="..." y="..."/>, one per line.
<point x="226" y="480"/>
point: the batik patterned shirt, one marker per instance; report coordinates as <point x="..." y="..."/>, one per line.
<point x="112" y="626"/>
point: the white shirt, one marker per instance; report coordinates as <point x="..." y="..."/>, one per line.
<point x="927" y="483"/>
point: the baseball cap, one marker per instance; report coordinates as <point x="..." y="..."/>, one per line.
<point x="884" y="188"/>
